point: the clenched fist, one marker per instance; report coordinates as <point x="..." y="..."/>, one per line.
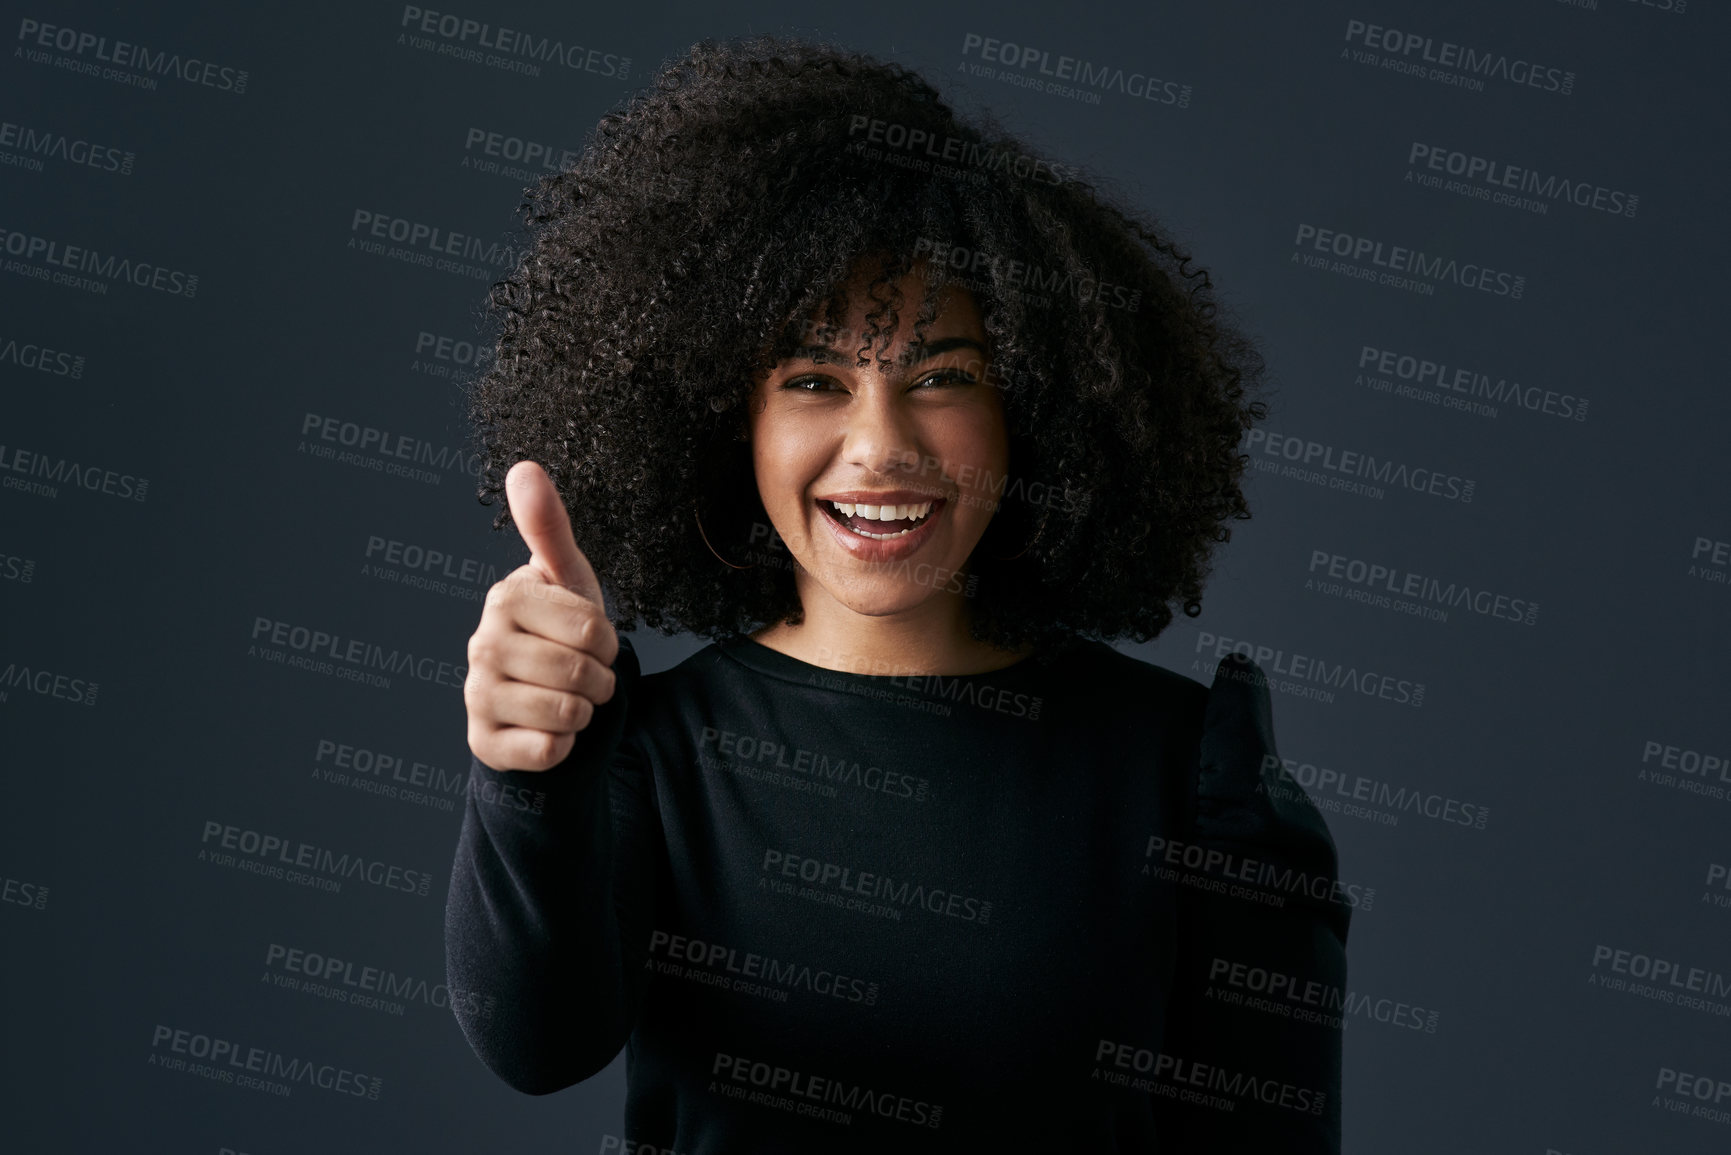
<point x="540" y="661"/>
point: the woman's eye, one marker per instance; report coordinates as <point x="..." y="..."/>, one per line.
<point x="948" y="377"/>
<point x="941" y="377"/>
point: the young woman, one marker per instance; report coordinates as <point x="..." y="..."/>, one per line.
<point x="908" y="425"/>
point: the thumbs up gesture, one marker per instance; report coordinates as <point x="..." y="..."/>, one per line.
<point x="541" y="659"/>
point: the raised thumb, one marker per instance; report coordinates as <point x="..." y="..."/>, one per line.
<point x="546" y="528"/>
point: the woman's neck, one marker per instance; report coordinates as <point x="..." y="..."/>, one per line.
<point x="931" y="638"/>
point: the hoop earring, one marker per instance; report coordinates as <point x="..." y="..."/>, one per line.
<point x="699" y="520"/>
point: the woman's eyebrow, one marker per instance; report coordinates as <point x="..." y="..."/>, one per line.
<point x="926" y="350"/>
<point x="821" y="354"/>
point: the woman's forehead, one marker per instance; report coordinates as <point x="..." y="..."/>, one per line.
<point x="956" y="308"/>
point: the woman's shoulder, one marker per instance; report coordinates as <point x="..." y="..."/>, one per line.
<point x="1230" y="783"/>
<point x="1243" y="793"/>
<point x="669" y="680"/>
<point x="1122" y="681"/>
<point x="1231" y="715"/>
<point x="1235" y="786"/>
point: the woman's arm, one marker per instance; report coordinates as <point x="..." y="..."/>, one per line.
<point x="548" y="916"/>
<point x="1253" y="1021"/>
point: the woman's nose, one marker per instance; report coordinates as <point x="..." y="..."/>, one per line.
<point x="881" y="436"/>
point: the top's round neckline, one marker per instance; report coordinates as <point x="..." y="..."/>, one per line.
<point x="750" y="652"/>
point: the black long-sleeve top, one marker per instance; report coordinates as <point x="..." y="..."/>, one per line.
<point x="1073" y="904"/>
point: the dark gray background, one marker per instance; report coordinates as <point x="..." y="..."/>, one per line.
<point x="1545" y="725"/>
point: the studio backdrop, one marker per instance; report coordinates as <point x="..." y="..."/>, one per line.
<point x="244" y="252"/>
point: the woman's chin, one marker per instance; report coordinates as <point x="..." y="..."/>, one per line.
<point x="878" y="595"/>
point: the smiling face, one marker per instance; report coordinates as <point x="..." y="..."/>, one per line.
<point x="836" y="445"/>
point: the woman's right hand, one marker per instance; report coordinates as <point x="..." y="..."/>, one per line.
<point x="541" y="660"/>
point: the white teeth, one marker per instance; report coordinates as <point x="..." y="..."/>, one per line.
<point x="883" y="512"/>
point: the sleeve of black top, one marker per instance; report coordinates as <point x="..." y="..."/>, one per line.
<point x="548" y="916"/>
<point x="1246" y="806"/>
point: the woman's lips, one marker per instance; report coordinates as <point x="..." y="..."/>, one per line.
<point x="880" y="548"/>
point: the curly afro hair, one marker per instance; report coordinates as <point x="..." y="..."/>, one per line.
<point x="714" y="214"/>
